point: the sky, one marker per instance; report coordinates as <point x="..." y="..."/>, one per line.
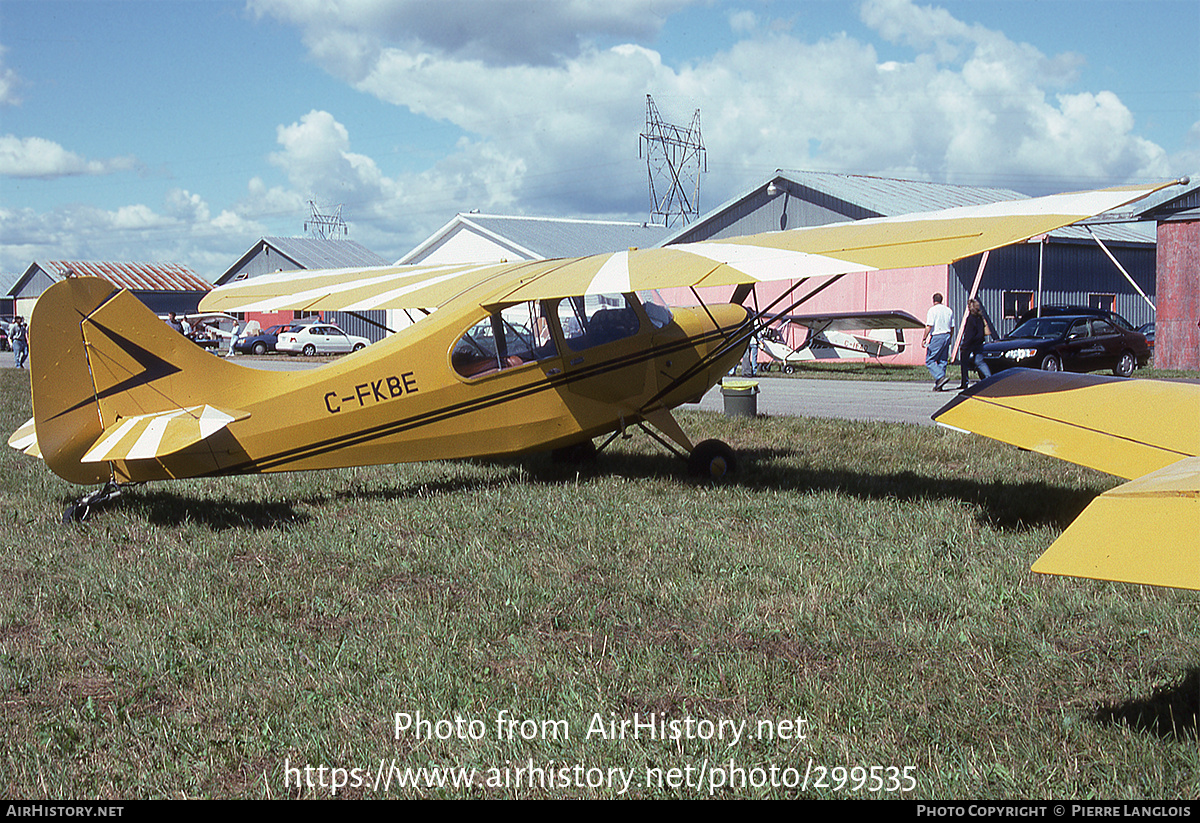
<point x="185" y="130"/>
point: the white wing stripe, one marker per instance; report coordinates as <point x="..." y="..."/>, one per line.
<point x="613" y="276"/>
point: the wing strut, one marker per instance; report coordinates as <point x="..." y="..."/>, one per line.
<point x="750" y="326"/>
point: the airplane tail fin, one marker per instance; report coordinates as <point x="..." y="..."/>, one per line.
<point x="98" y="359"/>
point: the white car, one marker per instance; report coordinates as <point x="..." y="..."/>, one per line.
<point x="319" y="338"/>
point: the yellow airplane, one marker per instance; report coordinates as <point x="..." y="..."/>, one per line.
<point x="1146" y="431"/>
<point x="513" y="357"/>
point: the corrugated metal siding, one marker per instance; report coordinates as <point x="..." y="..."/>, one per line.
<point x="351" y="324"/>
<point x="1072" y="272"/>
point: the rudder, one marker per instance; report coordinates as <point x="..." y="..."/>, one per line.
<point x="98" y="355"/>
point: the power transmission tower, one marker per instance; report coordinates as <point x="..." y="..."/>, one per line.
<point x="675" y="159"/>
<point x="325" y="226"/>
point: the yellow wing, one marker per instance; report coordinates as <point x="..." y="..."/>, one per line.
<point x="1145" y="531"/>
<point x="1124" y="427"/>
<point x="926" y="239"/>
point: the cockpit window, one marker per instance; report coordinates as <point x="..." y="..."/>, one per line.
<point x="596" y="319"/>
<point x="504" y="339"/>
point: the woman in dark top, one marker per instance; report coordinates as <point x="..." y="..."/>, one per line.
<point x="970" y="351"/>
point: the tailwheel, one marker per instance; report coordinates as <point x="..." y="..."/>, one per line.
<point x="81" y="508"/>
<point x="712" y="459"/>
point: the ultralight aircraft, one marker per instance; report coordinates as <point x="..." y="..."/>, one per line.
<point x="832" y="337"/>
<point x="512" y="357"/>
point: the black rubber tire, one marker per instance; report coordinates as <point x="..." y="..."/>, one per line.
<point x="359" y="347"/>
<point x="1125" y="365"/>
<point x="310" y="350"/>
<point x="260" y="348"/>
<point x="713" y="460"/>
<point x="1051" y="363"/>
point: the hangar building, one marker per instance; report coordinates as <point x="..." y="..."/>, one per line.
<point x="163" y="287"/>
<point x="1075" y="270"/>
<point x="275" y="254"/>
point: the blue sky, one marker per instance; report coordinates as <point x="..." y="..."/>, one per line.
<point x="183" y="131"/>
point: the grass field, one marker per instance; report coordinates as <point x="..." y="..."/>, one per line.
<point x="853" y="617"/>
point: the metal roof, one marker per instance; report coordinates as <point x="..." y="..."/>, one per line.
<point x="859" y="196"/>
<point x="132" y="276"/>
<point x="887" y="196"/>
<point x="317" y="253"/>
<point x="549" y="238"/>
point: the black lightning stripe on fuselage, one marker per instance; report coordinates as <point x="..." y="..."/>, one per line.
<point x="395" y="427"/>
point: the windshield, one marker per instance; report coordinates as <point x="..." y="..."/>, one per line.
<point x="1042" y="327"/>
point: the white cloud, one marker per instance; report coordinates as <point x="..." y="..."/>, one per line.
<point x="561" y="121"/>
<point x="10" y="81"/>
<point x="317" y="161"/>
<point x="493" y="32"/>
<point x="35" y="157"/>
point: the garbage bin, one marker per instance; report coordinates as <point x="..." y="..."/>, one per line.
<point x="741" y="398"/>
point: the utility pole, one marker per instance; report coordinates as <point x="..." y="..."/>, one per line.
<point x="325" y="226"/>
<point x="675" y="159"/>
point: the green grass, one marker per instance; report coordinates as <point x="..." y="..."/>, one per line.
<point x="193" y="638"/>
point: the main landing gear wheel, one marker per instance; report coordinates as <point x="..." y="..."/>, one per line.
<point x="712" y="459"/>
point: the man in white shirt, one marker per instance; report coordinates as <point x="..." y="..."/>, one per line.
<point x="939" y="326"/>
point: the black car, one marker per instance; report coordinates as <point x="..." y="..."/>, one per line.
<point x="1082" y="342"/>
<point x="1147" y="330"/>
<point x="264" y="341"/>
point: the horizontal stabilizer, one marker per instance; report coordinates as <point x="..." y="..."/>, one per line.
<point x="146" y="436"/>
<point x="1124" y="427"/>
<point x="25" y="439"/>
<point x="1145" y="531"/>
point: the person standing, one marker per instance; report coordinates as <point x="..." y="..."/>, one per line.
<point x="970" y="350"/>
<point x="939" y="326"/>
<point x="233" y="339"/>
<point x="18" y="337"/>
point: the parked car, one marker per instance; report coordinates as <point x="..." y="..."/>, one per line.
<point x="1147" y="330"/>
<point x="4" y="324"/>
<point x="1083" y="342"/>
<point x="264" y="342"/>
<point x="319" y="338"/>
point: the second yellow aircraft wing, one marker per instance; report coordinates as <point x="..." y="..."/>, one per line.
<point x="1145" y="531"/>
<point x="1124" y="427"/>
<point x="925" y="239"/>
